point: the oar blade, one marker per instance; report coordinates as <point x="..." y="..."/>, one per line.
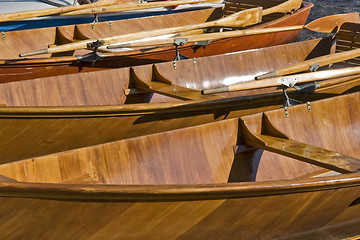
<point x="241" y="19"/>
<point x="134" y="6"/>
<point x="284" y="7"/>
<point x="332" y="23"/>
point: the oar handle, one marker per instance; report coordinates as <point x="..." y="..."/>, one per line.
<point x="207" y="37"/>
<point x="133" y="6"/>
<point x="50" y="11"/>
<point x="239" y="19"/>
<point x="39" y="52"/>
<point x="215" y="90"/>
<point x="305" y="65"/>
<point x="288" y="81"/>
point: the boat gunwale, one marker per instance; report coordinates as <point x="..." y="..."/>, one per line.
<point x="306" y="6"/>
<point x="175" y="192"/>
<point x="148" y="108"/>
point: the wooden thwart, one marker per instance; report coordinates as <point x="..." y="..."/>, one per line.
<point x="176" y="91"/>
<point x="240" y="19"/>
<point x="161" y="85"/>
<point x="309" y="153"/>
<point x="273" y="140"/>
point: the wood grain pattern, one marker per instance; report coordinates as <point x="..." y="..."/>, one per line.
<point x="150" y="181"/>
<point x="51" y="11"/>
<point x="60" y="113"/>
<point x="28" y="69"/>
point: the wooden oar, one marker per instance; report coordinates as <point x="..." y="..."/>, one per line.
<point x="132" y="6"/>
<point x="319" y="61"/>
<point x="283" y="7"/>
<point x="288" y="81"/>
<point x="325" y="25"/>
<point x="239" y="19"/>
<point x="51" y="11"/>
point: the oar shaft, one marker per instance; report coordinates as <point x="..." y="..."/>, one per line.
<point x="209" y="36"/>
<point x="278" y="81"/>
<point x="305" y="65"/>
<point x="239" y="19"/>
<point x="50" y="11"/>
<point x="324" y="24"/>
<point x="132" y="6"/>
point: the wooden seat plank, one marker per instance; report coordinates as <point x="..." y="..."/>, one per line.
<point x="309" y="153"/>
<point x="179" y="92"/>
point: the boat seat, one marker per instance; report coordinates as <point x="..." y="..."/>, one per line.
<point x="273" y="140"/>
<point x="161" y="85"/>
<point x="178" y="92"/>
<point x="348" y="38"/>
<point x="310" y="154"/>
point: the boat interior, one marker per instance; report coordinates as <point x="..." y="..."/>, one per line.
<point x="320" y="139"/>
<point x="14" y="41"/>
<point x="165" y="82"/>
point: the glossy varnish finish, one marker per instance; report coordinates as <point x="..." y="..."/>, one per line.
<point x="71" y="111"/>
<point x="14" y="42"/>
<point x="193" y="183"/>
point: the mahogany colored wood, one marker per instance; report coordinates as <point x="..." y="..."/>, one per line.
<point x="273" y="140"/>
<point x="325" y="24"/>
<point x="240" y="19"/>
<point x="11" y="66"/>
<point x="132" y="6"/>
<point x="289" y="81"/>
<point x="51" y="11"/>
<point x="343" y="54"/>
<point x="189" y="184"/>
<point x="54" y="114"/>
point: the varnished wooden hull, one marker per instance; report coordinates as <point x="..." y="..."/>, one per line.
<point x="60" y="113"/>
<point x="53" y="21"/>
<point x="14" y="69"/>
<point x="192" y="184"/>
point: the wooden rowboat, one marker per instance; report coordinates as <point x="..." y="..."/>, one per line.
<point x="13" y="67"/>
<point x="60" y="113"/>
<point x="221" y="180"/>
<point x="19" y="7"/>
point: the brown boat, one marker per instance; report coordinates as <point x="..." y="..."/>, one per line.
<point x="54" y="114"/>
<point x="13" y="43"/>
<point x="224" y="180"/>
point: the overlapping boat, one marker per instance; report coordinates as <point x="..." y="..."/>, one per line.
<point x="53" y="114"/>
<point x="13" y="43"/>
<point x="19" y="15"/>
<point x="263" y="176"/>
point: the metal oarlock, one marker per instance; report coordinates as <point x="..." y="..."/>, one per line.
<point x="288" y="102"/>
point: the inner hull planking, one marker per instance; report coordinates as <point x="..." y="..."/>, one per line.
<point x="13" y="68"/>
<point x="54" y="114"/>
<point x="201" y="182"/>
<point x="56" y="20"/>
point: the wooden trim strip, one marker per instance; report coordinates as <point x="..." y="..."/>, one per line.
<point x="100" y="192"/>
